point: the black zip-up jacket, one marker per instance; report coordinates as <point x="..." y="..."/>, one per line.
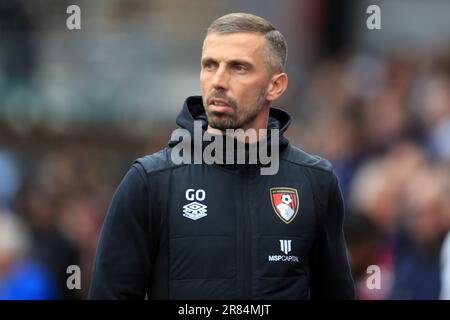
<point x="198" y="231"/>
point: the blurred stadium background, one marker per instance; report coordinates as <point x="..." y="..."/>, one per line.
<point x="76" y="107"/>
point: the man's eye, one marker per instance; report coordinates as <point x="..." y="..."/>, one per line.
<point x="208" y="66"/>
<point x="241" y="68"/>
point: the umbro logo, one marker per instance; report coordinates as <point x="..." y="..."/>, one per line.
<point x="195" y="210"/>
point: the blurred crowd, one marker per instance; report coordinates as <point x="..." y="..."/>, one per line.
<point x="384" y="122"/>
<point x="52" y="205"/>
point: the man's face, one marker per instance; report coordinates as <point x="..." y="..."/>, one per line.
<point x="234" y="78"/>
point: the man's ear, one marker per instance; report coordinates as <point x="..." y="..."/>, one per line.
<point x="277" y="86"/>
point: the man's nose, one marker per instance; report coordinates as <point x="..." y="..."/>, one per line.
<point x="221" y="79"/>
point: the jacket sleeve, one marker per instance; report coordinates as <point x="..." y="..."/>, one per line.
<point x="123" y="260"/>
<point x="330" y="270"/>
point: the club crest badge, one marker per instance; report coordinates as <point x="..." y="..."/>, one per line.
<point x="285" y="202"/>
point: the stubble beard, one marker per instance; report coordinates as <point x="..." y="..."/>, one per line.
<point x="239" y="118"/>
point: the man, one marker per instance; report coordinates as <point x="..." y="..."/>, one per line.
<point x="224" y="230"/>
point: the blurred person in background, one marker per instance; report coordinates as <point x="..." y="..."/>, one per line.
<point x="445" y="251"/>
<point x="365" y="243"/>
<point x="22" y="275"/>
<point x="39" y="206"/>
<point x="62" y="202"/>
<point x="421" y="231"/>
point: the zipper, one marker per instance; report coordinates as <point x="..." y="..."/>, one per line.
<point x="247" y="252"/>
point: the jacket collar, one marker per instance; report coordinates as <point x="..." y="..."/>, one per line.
<point x="193" y="110"/>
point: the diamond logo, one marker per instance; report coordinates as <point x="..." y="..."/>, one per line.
<point x="194" y="211"/>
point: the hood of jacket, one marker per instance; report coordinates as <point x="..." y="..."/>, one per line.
<point x="193" y="110"/>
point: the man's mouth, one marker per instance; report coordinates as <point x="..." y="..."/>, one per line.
<point x="219" y="105"/>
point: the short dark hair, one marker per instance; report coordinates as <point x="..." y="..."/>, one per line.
<point x="245" y="22"/>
